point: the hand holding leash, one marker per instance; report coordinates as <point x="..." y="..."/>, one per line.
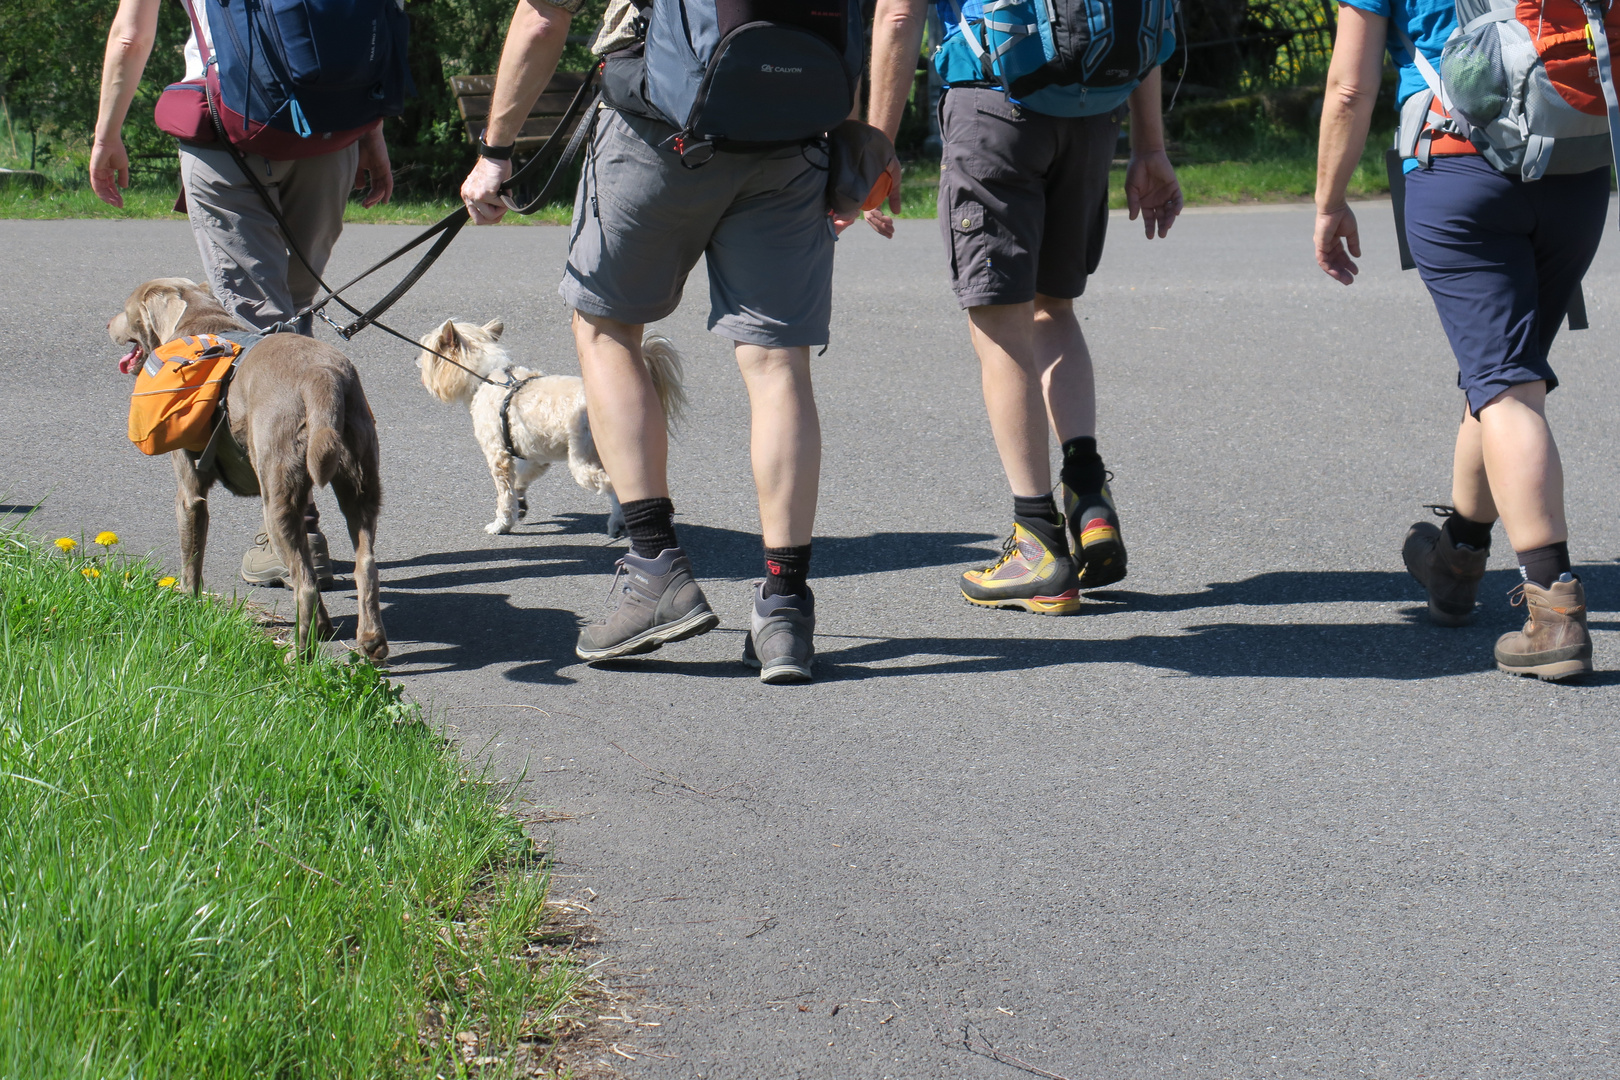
<point x="481" y="191"/>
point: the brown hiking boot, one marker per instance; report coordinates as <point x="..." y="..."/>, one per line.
<point x="1450" y="573"/>
<point x="1555" y="643"/>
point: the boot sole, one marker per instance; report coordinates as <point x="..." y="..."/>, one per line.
<point x="1035" y="605"/>
<point x="1560" y="669"/>
<point x="698" y="622"/>
<point x="279" y="581"/>
<point x="781" y="671"/>
<point x="1101" y="558"/>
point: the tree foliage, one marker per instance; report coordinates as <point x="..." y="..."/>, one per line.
<point x="50" y="77"/>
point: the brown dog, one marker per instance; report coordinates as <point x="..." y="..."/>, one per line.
<point x="297" y="408"/>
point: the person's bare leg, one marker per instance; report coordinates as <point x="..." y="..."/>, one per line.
<point x="1004" y="338"/>
<point x="785" y="441"/>
<point x="1522" y="463"/>
<point x="627" y="422"/>
<point x="1064" y="361"/>
<point x="1470" y="490"/>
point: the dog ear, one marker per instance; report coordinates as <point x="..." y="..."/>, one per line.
<point x="161" y="310"/>
<point x="495" y="328"/>
<point x="448" y="338"/>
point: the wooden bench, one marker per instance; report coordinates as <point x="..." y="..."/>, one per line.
<point x="472" y="97"/>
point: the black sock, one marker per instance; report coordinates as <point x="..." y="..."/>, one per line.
<point x="1082" y="469"/>
<point x="651" y="523"/>
<point x="785" y="570"/>
<point x="1543" y="565"/>
<point x="1039" y="514"/>
<point x="1475" y="534"/>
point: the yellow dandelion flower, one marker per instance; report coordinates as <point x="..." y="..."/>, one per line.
<point x="166" y="583"/>
<point x="106" y="539"/>
<point x="66" y="543"/>
<point x="90" y="572"/>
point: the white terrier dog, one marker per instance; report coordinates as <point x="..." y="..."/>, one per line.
<point x="526" y="421"/>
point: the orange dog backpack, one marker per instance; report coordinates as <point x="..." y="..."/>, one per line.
<point x="178" y="392"/>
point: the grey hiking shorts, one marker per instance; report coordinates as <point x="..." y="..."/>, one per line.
<point x="1023" y="197"/>
<point x="642" y="219"/>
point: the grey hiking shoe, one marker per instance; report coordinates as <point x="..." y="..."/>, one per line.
<point x="658" y="601"/>
<point x="781" y="641"/>
<point x="261" y="565"/>
<point x="1449" y="573"/>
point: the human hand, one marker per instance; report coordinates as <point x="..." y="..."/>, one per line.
<point x="882" y="223"/>
<point x="109" y="169"/>
<point x="481" y="191"/>
<point x="1335" y="231"/>
<point x="1152" y="190"/>
<point x="374" y="168"/>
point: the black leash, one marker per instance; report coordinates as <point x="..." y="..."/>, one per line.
<point x="575" y="109"/>
<point x="446" y="228"/>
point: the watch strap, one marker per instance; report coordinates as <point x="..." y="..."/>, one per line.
<point x="496" y="153"/>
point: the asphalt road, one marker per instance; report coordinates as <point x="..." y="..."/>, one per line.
<point x="1248" y="816"/>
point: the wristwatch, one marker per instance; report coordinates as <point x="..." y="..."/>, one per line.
<point x="495" y="153"/>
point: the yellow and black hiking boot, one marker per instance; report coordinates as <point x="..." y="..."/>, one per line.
<point x="1099" y="549"/>
<point x="1029" y="576"/>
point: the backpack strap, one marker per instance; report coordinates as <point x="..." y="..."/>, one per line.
<point x="1598" y="39"/>
<point x="1426" y="69"/>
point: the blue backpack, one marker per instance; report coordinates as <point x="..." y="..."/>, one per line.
<point x="310" y="67"/>
<point x="1025" y="46"/>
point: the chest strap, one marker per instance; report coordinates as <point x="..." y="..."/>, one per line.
<point x="506" y="417"/>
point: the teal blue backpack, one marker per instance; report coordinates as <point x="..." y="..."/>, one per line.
<point x="1025" y="46"/>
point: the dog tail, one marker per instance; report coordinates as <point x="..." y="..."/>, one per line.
<point x="323" y="415"/>
<point x="663" y="362"/>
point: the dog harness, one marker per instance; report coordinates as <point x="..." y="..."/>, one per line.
<point x="506" y="419"/>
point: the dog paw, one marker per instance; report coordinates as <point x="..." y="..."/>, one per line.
<point x="497" y="528"/>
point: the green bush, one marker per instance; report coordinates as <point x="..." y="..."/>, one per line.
<point x="50" y="79"/>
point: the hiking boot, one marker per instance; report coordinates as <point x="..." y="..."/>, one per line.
<point x="1029" y="576"/>
<point x="658" y="601"/>
<point x="262" y="566"/>
<point x="1450" y="573"/>
<point x="1555" y="642"/>
<point x="1099" y="550"/>
<point x="781" y="642"/>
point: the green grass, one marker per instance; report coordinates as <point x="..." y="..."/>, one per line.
<point x="1283" y="176"/>
<point x="217" y="864"/>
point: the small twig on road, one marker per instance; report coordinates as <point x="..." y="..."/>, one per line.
<point x="764" y="925"/>
<point x="536" y="708"/>
<point x="305" y="865"/>
<point x="989" y="1051"/>
<point x="677" y="782"/>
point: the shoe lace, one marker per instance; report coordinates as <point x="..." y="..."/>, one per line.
<point x="613" y="586"/>
<point x="1441" y="510"/>
<point x="262" y="540"/>
<point x="1009" y="547"/>
<point x="1516" y="594"/>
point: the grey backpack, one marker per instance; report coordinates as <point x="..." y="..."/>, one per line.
<point x="1535" y="98"/>
<point x="740" y="74"/>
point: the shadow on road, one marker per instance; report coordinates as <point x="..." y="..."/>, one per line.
<point x="465" y="631"/>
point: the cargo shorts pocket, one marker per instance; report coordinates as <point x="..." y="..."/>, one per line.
<point x="970" y="256"/>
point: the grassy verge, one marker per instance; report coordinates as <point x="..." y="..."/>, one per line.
<point x="1283" y="177"/>
<point x="216" y="864"/>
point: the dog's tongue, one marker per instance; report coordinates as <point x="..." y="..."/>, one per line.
<point x="131" y="360"/>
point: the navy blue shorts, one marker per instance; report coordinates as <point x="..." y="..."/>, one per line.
<point x="1502" y="258"/>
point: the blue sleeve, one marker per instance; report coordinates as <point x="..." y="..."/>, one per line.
<point x="1372" y="7"/>
<point x="1168" y="48"/>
